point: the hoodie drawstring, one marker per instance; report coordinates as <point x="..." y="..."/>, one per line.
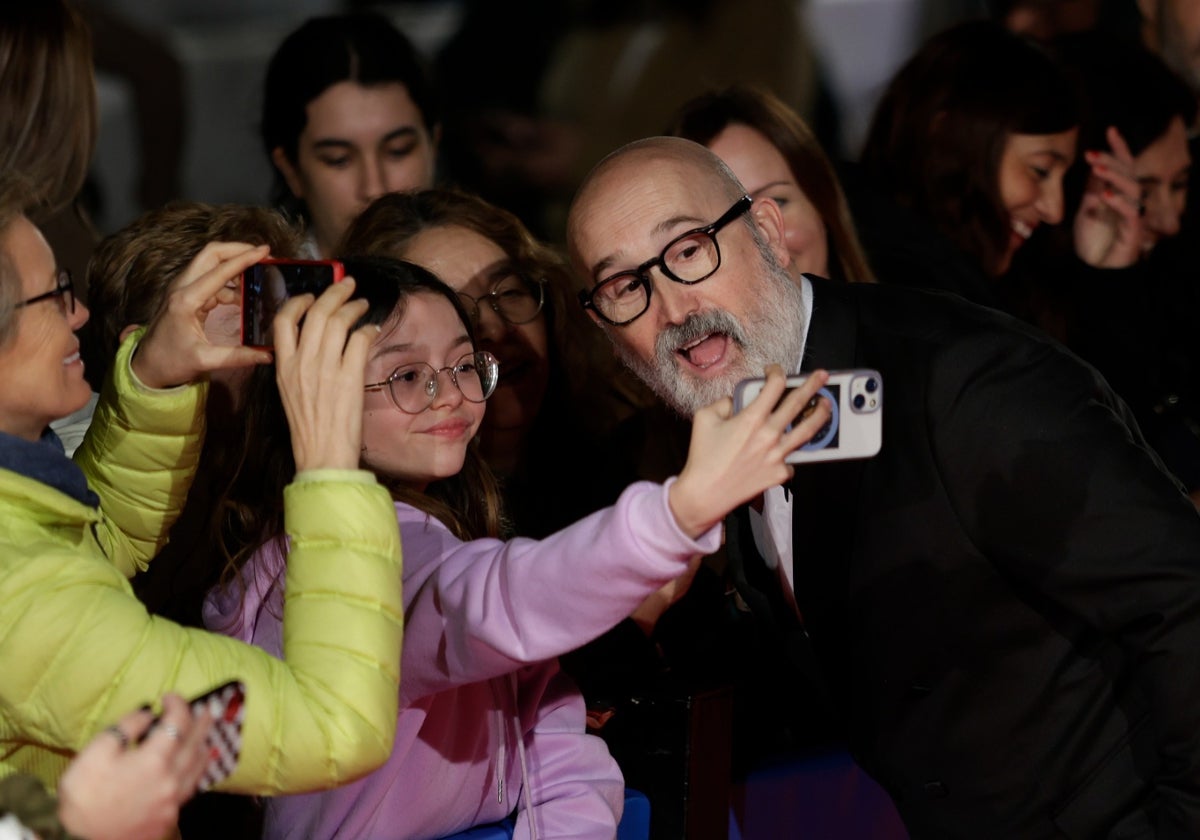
<point x="512" y="681"/>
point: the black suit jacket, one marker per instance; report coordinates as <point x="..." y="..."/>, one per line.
<point x="1005" y="601"/>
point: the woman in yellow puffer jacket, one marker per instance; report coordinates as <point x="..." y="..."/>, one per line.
<point x="77" y="650"/>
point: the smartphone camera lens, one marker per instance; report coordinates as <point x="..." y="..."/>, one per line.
<point x="860" y="400"/>
<point x="872" y="385"/>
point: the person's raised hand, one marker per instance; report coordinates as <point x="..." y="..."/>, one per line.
<point x="734" y="457"/>
<point x="117" y="788"/>
<point x="321" y="375"/>
<point x="1108" y="225"/>
<point x="175" y="349"/>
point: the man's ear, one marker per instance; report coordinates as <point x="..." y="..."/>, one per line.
<point x="291" y="176"/>
<point x="768" y="218"/>
<point x="126" y="332"/>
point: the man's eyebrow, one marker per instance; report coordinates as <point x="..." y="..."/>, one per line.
<point x="340" y="143"/>
<point x="331" y="143"/>
<point x="601" y="268"/>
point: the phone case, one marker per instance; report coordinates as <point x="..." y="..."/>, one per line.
<point x="855" y="427"/>
<point x="226" y="706"/>
<point x="270" y="282"/>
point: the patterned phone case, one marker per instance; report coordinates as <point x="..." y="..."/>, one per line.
<point x="226" y="706"/>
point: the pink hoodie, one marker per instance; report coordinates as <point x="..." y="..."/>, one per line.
<point x="482" y="702"/>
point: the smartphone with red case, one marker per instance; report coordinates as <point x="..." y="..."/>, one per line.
<point x="266" y="285"/>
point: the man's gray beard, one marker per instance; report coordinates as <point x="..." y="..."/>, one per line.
<point x="774" y="334"/>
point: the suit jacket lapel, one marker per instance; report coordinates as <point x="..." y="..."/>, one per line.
<point x="824" y="495"/>
<point x="833" y="328"/>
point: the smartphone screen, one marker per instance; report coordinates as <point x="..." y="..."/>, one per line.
<point x="266" y="285"/>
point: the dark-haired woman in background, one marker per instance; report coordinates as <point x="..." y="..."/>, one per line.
<point x="348" y="115"/>
<point x="965" y="160"/>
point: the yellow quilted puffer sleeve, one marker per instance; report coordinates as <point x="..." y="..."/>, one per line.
<point x="140" y="455"/>
<point x="78" y="650"/>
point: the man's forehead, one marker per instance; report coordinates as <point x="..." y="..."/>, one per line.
<point x="624" y="226"/>
<point x="648" y="192"/>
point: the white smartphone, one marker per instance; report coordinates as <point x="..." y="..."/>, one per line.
<point x="855" y="427"/>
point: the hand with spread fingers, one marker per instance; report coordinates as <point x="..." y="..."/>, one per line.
<point x="321" y="375"/>
<point x="1108" y="224"/>
<point x="734" y="457"/>
<point x="175" y="349"/>
<point x="121" y="786"/>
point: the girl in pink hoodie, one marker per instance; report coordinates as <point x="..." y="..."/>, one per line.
<point x="487" y="722"/>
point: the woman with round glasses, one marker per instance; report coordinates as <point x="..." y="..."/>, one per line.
<point x="486" y="723"/>
<point x="557" y="394"/>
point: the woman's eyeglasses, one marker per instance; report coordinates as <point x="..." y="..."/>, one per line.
<point x="516" y="299"/>
<point x="413" y="387"/>
<point x="63" y="290"/>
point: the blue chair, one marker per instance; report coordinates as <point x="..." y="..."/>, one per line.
<point x="635" y="823"/>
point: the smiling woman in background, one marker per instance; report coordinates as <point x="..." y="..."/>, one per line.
<point x="348" y="115"/>
<point x="964" y="160"/>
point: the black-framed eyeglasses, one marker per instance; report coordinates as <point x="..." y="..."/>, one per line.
<point x="63" y="290"/>
<point x="413" y="387"/>
<point x="688" y="259"/>
<point x="514" y="297"/>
